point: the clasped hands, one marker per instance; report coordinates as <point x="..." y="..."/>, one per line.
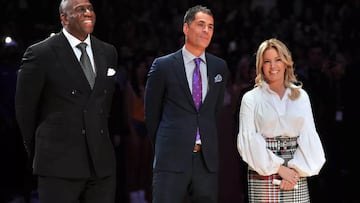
<point x="290" y="178"/>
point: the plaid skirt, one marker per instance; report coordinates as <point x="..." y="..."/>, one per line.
<point x="262" y="189"/>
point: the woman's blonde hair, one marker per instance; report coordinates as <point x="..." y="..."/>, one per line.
<point x="290" y="80"/>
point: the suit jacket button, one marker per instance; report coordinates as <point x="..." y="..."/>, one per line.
<point x="102" y="131"/>
<point x="83" y="131"/>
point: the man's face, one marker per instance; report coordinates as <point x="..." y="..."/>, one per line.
<point x="199" y="32"/>
<point x="79" y="18"/>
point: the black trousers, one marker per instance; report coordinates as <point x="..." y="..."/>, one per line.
<point x="196" y="183"/>
<point x="70" y="190"/>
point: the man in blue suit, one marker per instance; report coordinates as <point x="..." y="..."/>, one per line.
<point x="63" y="116"/>
<point x="183" y="164"/>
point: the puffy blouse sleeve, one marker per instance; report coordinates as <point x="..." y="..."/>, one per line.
<point x="309" y="157"/>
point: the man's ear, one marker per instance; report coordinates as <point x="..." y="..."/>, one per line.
<point x="63" y="19"/>
<point x="185" y="28"/>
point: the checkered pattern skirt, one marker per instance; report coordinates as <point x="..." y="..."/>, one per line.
<point x="261" y="188"/>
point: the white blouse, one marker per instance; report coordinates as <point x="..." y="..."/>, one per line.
<point x="264" y="115"/>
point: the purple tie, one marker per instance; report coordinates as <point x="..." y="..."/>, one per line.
<point x="197" y="86"/>
<point x="197" y="89"/>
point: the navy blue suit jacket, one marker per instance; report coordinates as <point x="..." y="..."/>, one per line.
<point x="171" y="116"/>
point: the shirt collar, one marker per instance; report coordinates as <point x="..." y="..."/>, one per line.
<point x="266" y="87"/>
<point x="189" y="57"/>
<point x="75" y="41"/>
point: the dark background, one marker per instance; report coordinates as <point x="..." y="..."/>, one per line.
<point x="323" y="37"/>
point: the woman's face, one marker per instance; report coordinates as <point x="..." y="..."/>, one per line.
<point x="273" y="67"/>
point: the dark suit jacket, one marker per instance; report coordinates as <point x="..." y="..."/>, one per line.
<point x="172" y="118"/>
<point x="63" y="122"/>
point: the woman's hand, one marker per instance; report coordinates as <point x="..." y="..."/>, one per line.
<point x="289" y="176"/>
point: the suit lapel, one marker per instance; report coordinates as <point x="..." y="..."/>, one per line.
<point x="210" y="74"/>
<point x="181" y="75"/>
<point x="99" y="61"/>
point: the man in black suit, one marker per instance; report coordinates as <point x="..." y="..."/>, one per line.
<point x="62" y="117"/>
<point x="183" y="164"/>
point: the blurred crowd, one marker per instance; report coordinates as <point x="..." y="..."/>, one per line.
<point x="324" y="40"/>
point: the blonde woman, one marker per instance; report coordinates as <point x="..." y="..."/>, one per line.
<point x="277" y="135"/>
